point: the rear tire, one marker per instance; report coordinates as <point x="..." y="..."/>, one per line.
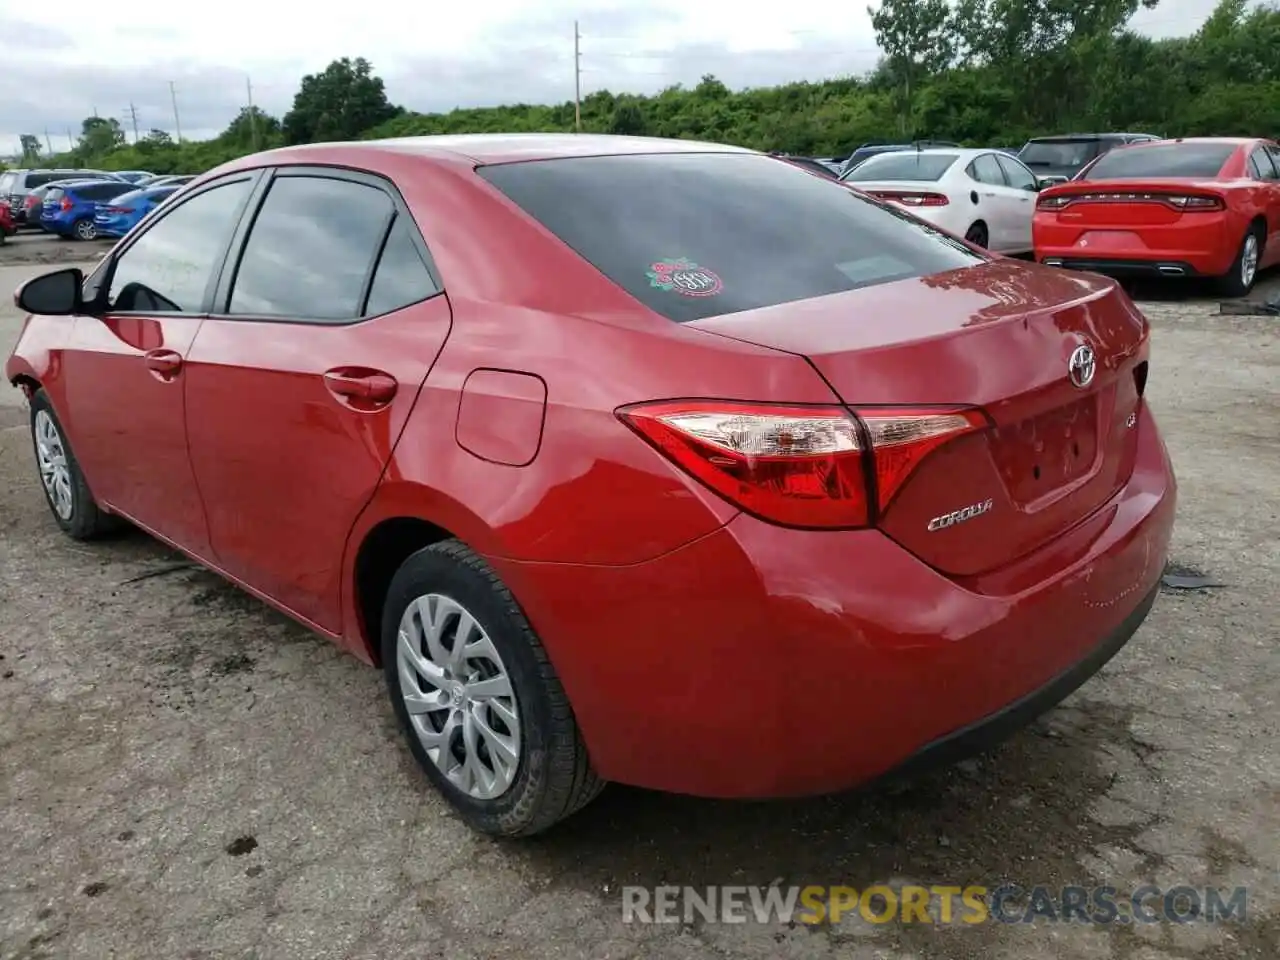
<point x="1239" y="280"/>
<point x="85" y="229"/>
<point x="445" y="595"/>
<point x="977" y="235"/>
<point x="65" y="489"/>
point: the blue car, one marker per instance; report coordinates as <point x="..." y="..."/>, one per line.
<point x="117" y="217"/>
<point x="69" y="210"/>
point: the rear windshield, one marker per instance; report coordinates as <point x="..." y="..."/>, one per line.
<point x="1166" y="160"/>
<point x="53" y="195"/>
<point x="904" y="166"/>
<point x="1059" y="153"/>
<point x="693" y="235"/>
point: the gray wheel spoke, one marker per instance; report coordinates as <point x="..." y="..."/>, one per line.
<point x="55" y="471"/>
<point x="459" y="697"/>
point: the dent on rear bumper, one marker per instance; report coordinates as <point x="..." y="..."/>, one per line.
<point x="760" y="661"/>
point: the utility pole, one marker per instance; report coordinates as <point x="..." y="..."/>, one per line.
<point x="133" y="115"/>
<point x="71" y="144"/>
<point x="47" y="142"/>
<point x="253" y="114"/>
<point x="177" y="123"/>
<point x="577" y="78"/>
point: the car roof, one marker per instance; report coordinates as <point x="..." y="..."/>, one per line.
<point x="492" y="148"/>
<point x="1233" y="141"/>
<point x="964" y="153"/>
<point x="1089" y="136"/>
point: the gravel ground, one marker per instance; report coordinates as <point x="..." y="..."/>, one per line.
<point x="184" y="773"/>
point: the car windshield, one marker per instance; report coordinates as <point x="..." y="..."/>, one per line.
<point x="1166" y="160"/>
<point x="695" y="235"/>
<point x="903" y="166"/>
<point x="1059" y="153"/>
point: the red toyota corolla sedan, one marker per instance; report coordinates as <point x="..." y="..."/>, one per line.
<point x="1175" y="208"/>
<point x="638" y="460"/>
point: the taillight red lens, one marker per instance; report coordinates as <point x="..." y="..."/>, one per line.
<point x="910" y="198"/>
<point x="1053" y="203"/>
<point x="1195" y="202"/>
<point x="117" y="209"/>
<point x="66" y="204"/>
<point x="799" y="466"/>
<point x="902" y="437"/>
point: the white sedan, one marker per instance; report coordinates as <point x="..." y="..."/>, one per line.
<point x="985" y="196"/>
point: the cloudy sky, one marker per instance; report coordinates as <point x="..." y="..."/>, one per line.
<point x="63" y="62"/>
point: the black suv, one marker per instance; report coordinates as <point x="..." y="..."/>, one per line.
<point x="1055" y="159"/>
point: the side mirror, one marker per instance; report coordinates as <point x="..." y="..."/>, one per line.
<point x="55" y="294"/>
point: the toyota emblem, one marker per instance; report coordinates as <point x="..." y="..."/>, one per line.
<point x="1082" y="366"/>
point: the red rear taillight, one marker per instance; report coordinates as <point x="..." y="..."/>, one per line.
<point x="799" y="466"/>
<point x="66" y="204"/>
<point x="1179" y="201"/>
<point x="1053" y="203"/>
<point x="117" y="209"/>
<point x="911" y="198"/>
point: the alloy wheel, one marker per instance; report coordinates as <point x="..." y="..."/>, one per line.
<point x="1249" y="260"/>
<point x="459" y="697"/>
<point x="55" y="473"/>
<point x="86" y="230"/>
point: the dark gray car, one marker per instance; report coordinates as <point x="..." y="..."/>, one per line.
<point x="1059" y="158"/>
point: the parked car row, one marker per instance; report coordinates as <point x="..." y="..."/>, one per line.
<point x="1122" y="204"/>
<point x="24" y="193"/>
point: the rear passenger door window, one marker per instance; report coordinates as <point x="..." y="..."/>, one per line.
<point x="985" y="169"/>
<point x="1261" y="165"/>
<point x="311" y="250"/>
<point x="1019" y="177"/>
<point x="402" y="277"/>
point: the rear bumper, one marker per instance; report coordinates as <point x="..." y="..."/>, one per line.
<point x="1201" y="244"/>
<point x="760" y="661"/>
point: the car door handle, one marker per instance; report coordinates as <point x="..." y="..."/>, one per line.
<point x="164" y="362"/>
<point x="373" y="387"/>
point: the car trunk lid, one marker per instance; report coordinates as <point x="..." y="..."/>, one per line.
<point x="1130" y="203"/>
<point x="999" y="336"/>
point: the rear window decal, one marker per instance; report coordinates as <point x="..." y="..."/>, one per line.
<point x="684" y="277"/>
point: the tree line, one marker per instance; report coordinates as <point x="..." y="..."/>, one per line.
<point x="981" y="72"/>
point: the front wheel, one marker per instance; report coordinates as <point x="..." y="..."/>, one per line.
<point x="477" y="697"/>
<point x="1244" y="269"/>
<point x="73" y="506"/>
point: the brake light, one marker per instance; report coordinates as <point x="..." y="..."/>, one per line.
<point x="1179" y="201"/>
<point x="66" y="204"/>
<point x="799" y="466"/>
<point x="911" y="198"/>
<point x="1194" y="202"/>
<point x="117" y="209"/>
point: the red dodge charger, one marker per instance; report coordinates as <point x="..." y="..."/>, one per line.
<point x="1176" y="208"/>
<point x="625" y="459"/>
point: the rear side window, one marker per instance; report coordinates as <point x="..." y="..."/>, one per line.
<point x="1261" y="166"/>
<point x="694" y="235"/>
<point x="7" y="181"/>
<point x="311" y="249"/>
<point x="903" y="166"/>
<point x="102" y="191"/>
<point x="986" y="169"/>
<point x="39" y="179"/>
<point x="1018" y="176"/>
<point x="168" y="268"/>
<point x="402" y="277"/>
<point x="1164" y="160"/>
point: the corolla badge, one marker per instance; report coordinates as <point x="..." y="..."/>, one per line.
<point x="1082" y="366"/>
<point x="959" y="516"/>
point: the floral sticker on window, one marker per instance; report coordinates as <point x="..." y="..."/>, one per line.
<point x="684" y="277"/>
